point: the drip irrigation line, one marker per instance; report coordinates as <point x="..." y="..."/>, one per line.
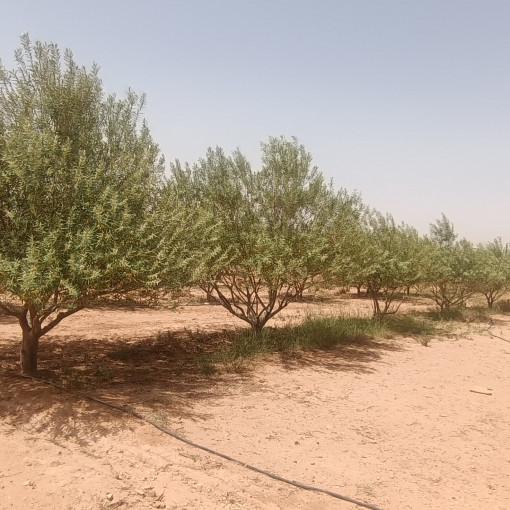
<point x="496" y="336"/>
<point x="208" y="450"/>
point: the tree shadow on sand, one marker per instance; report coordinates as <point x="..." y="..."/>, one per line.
<point x="359" y="354"/>
<point x="41" y="410"/>
<point x="157" y="377"/>
<point x="7" y="319"/>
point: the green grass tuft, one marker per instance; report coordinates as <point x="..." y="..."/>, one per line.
<point x="408" y="325"/>
<point x="104" y="373"/>
<point x="312" y="333"/>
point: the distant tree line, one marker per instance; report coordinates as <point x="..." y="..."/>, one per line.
<point x="86" y="211"/>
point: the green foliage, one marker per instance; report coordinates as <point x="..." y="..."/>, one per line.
<point x="313" y="333"/>
<point x="206" y="365"/>
<point x="442" y="232"/>
<point x="450" y="267"/>
<point x="79" y="173"/>
<point x="85" y="211"/>
<point x="270" y="226"/>
<point x="406" y="324"/>
<point x="492" y="270"/>
<point x="185" y="240"/>
<point x="325" y="332"/>
<point x="105" y="373"/>
<point x="383" y="257"/>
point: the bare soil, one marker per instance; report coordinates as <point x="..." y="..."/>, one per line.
<point x="386" y="421"/>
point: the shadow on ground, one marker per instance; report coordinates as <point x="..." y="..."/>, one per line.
<point x="358" y="355"/>
<point x="158" y="377"/>
<point x="7" y="319"/>
<point x="42" y="410"/>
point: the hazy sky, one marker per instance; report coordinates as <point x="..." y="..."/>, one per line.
<point x="405" y="101"/>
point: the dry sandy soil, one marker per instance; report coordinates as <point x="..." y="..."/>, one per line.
<point x="386" y="421"/>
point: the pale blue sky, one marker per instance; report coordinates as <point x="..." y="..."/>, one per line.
<point x="405" y="101"/>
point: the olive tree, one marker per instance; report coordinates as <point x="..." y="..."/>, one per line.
<point x="79" y="175"/>
<point x="271" y="226"/>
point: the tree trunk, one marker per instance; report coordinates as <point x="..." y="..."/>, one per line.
<point x="28" y="352"/>
<point x="257" y="326"/>
<point x="376" y="307"/>
<point x="373" y="295"/>
<point x="300" y="288"/>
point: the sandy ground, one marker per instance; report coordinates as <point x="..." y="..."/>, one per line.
<point x="385" y="421"/>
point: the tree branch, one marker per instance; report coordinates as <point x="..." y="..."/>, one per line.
<point x="10" y="311"/>
<point x="58" y="318"/>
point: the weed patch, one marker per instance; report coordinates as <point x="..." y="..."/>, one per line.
<point x="104" y="373"/>
<point x="408" y="325"/>
<point x="312" y="333"/>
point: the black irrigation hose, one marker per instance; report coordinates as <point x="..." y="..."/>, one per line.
<point x="496" y="336"/>
<point x="209" y="450"/>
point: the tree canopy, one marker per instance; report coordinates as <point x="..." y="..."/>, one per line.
<point x="271" y="225"/>
<point x="86" y="211"/>
<point x="78" y="173"/>
<point x="450" y="272"/>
